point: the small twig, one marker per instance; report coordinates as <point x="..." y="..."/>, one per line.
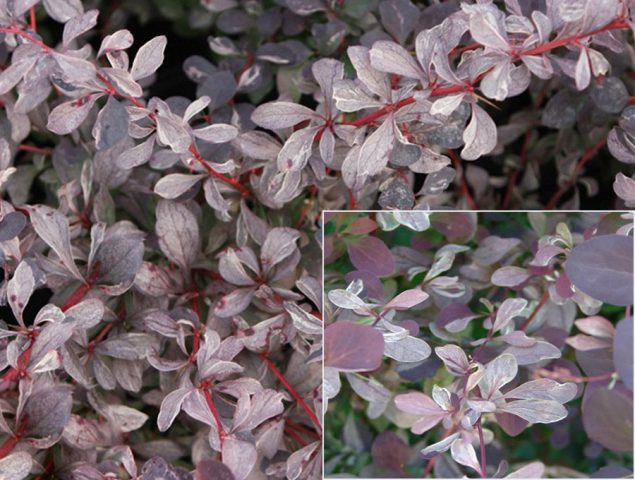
<point x="300" y="401"/>
<point x="588" y="155"/>
<point x="465" y="189"/>
<point x="32" y="19"/>
<point x="543" y="300"/>
<point x="244" y="191"/>
<point x="212" y="406"/>
<point x="81" y="291"/>
<point x="352" y="201"/>
<point x="572" y="378"/>
<point x="32" y="148"/>
<point x="482" y="444"/>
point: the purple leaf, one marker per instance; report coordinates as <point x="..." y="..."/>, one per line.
<point x="377" y="82"/>
<point x="498" y="372"/>
<point x="216" y="133"/>
<point x="390" y="57"/>
<point x="370" y="254"/>
<point x="596" y="326"/>
<point x="52" y="227"/>
<point x="68" y="116"/>
<point x="111" y="125"/>
<point x="623" y="351"/>
<point x="149" y="58"/>
<point x="20" y="288"/>
<point x="375" y="152"/>
<point x="441" y="446"/>
<point x="463" y="453"/>
<point x="455" y="317"/>
<point x="16" y="465"/>
<point x="48" y="410"/>
<point x="176" y="184"/>
<point x="297" y="149"/>
<point x="517" y="339"/>
<point x="213" y="470"/>
<point x="624" y="188"/>
<point x="493" y="248"/>
<point x="234" y="303"/>
<point x="544" y="389"/>
<point x="399" y="18"/>
<point x="408" y="349"/>
<point x="390" y="452"/>
<point x="583" y="70"/>
<point x="240" y="456"/>
<point x="586" y="342"/>
<point x="278" y="246"/>
<point x="534" y="353"/>
<point x="487" y="26"/>
<point x="479" y="135"/>
<point x="11" y="225"/>
<point x="510" y="276"/>
<point x="423" y="406"/>
<point x="531" y="470"/>
<point x="352" y="347"/>
<point x="536" y="411"/>
<point x="278" y="115"/>
<point x="171" y="406"/>
<point x="510" y="308"/>
<point x="602" y="267"/>
<point x="79" y="25"/>
<point x="607" y="417"/>
<point x="454" y="359"/>
<point x="178" y="233"/>
<point x="120" y="40"/>
<point x="406" y="300"/>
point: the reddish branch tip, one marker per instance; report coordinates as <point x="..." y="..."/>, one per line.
<point x="300" y="401"/>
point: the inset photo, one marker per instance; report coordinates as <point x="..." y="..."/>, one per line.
<point x="480" y="345"/>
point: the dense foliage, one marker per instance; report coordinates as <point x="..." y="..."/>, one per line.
<point x="158" y="321"/>
<point x="472" y="332"/>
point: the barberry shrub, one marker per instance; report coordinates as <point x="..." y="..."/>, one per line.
<point x="160" y="317"/>
<point x="489" y="345"/>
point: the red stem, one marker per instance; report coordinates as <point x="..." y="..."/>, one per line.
<point x="249" y="61"/>
<point x="617" y="24"/>
<point x="16" y="31"/>
<point x="81" y="291"/>
<point x="306" y="207"/>
<point x="513" y="178"/>
<point x="100" y="336"/>
<point x="10" y="443"/>
<point x="300" y="401"/>
<point x="293" y="434"/>
<point x="31" y="148"/>
<point x="219" y="425"/>
<point x="33" y="21"/>
<point x="482" y="444"/>
<point x="244" y="191"/>
<point x="352" y="200"/>
<point x="588" y="154"/>
<point x="465" y="190"/>
<point x="543" y="300"/>
<point x="302" y="429"/>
